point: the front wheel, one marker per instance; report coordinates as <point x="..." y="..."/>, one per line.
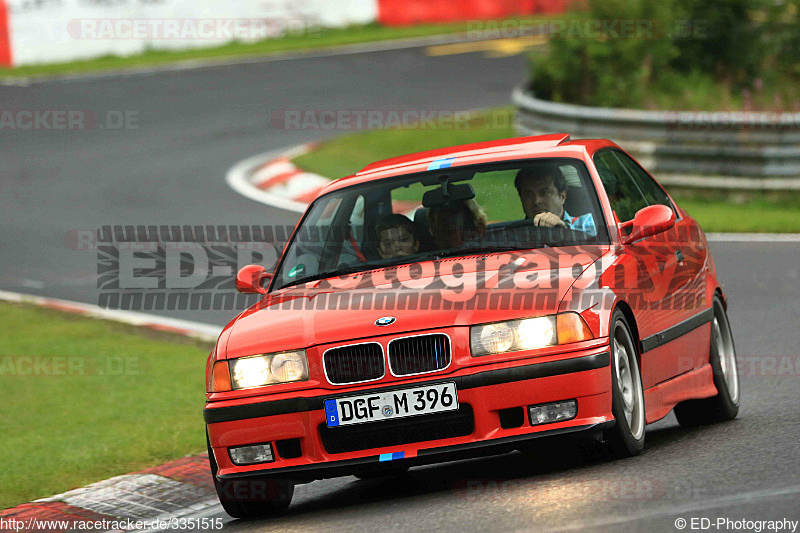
<point x="722" y="356"/>
<point x="251" y="498"/>
<point x="626" y="438"/>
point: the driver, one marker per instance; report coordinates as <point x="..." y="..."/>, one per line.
<point x="543" y="191"/>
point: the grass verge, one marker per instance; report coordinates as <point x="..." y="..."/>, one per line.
<point x="345" y="155"/>
<point x="313" y="39"/>
<point x="742" y="212"/>
<point x="93" y="399"/>
<point x="715" y="211"/>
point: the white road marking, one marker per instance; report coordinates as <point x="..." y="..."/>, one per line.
<point x="690" y="507"/>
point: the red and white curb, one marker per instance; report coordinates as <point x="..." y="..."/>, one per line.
<point x="273" y="179"/>
<point x="198" y="330"/>
<point x="157" y="497"/>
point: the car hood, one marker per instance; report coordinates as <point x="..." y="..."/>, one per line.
<point x="460" y="292"/>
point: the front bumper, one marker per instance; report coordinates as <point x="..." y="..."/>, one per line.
<point x="585" y="377"/>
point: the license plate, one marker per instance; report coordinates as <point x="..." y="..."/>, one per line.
<point x="389" y="405"/>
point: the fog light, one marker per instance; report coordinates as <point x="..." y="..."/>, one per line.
<point x="553" y="412"/>
<point x="250" y="455"/>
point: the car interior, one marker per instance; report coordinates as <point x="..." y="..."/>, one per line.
<point x="346" y="221"/>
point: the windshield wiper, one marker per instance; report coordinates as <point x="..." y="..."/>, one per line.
<point x="299" y="281"/>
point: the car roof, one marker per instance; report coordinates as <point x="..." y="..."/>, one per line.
<point x="555" y="145"/>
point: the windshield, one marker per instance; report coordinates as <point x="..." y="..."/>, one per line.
<point x="448" y="212"/>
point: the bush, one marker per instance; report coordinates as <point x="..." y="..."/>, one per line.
<point x="728" y="43"/>
<point x="728" y="46"/>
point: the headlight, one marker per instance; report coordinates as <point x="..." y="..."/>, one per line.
<point x="260" y="370"/>
<point x="513" y="336"/>
<point x="494" y="338"/>
<point x="528" y="334"/>
<point x="288" y="366"/>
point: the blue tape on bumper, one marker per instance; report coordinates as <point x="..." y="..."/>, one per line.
<point x="441" y="163"/>
<point x="391" y="456"/>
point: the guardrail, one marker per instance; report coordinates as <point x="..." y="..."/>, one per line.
<point x="727" y="150"/>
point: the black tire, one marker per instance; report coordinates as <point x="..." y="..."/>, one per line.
<point x="626" y="438"/>
<point x="251" y="498"/>
<point x="722" y="356"/>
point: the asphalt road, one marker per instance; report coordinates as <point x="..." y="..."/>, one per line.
<point x="187" y="129"/>
<point x="193" y="125"/>
<point x="746" y="469"/>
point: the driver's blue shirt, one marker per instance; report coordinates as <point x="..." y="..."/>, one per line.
<point x="584" y="223"/>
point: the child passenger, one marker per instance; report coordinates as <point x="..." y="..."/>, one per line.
<point x="397" y="236"/>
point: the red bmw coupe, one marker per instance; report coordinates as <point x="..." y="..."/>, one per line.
<point x="468" y="301"/>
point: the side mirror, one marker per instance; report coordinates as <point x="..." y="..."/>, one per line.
<point x="649" y="221"/>
<point x="250" y="279"/>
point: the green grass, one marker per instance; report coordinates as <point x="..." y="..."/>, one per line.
<point x="716" y="211"/>
<point x="699" y="92"/>
<point x="133" y="399"/>
<point x="313" y="39"/>
<point x="753" y="212"/>
<point x="348" y="154"/>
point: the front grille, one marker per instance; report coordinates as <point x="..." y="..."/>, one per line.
<point x="420" y="428"/>
<point x="416" y="355"/>
<point x="355" y="363"/>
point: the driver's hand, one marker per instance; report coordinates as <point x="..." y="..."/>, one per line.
<point x="548" y="220"/>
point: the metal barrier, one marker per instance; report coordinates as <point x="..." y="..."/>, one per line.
<point x="705" y="149"/>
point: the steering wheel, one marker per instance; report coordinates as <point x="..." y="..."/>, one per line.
<point x="526" y="231"/>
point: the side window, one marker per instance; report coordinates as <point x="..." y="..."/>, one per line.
<point x="625" y="197"/>
<point x="653" y="193"/>
<point x="578" y="200"/>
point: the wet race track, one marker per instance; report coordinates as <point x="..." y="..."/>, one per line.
<point x="193" y="125"/>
